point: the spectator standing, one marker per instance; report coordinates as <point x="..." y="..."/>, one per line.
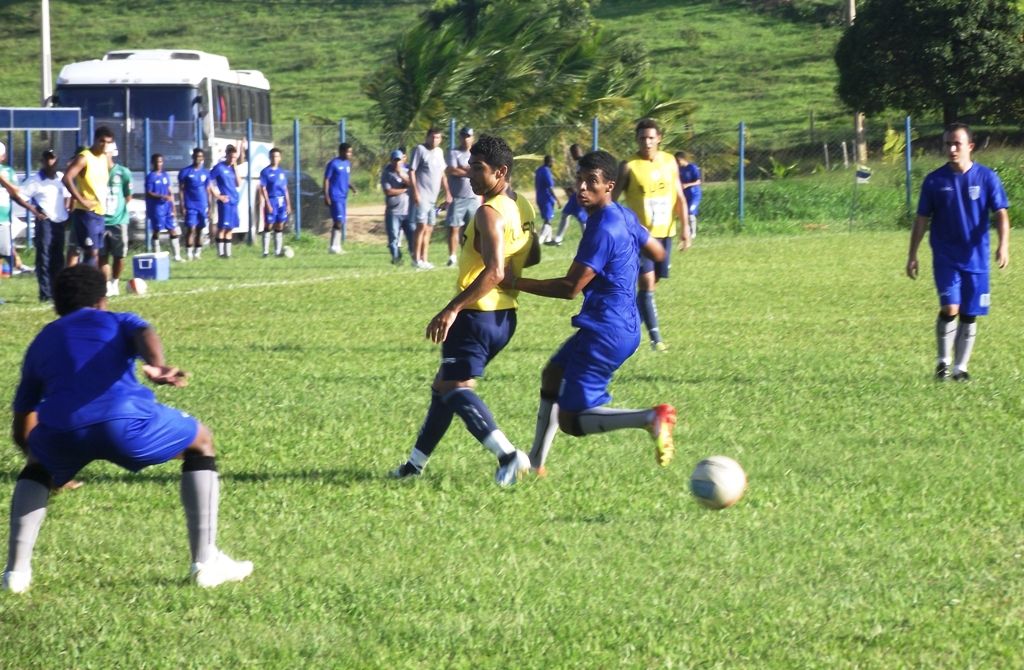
<point x="464" y="201"/>
<point x="394" y="181"/>
<point x="428" y="178"/>
<point x="47" y="192"/>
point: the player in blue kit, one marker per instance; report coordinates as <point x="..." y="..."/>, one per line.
<point x="956" y="200"/>
<point x="337" y="184"/>
<point x="79" y="401"/>
<point x="689" y="177"/>
<point x="160" y="206"/>
<point x="194" y="186"/>
<point x="574" y="384"/>
<point x="277" y="203"/>
<point x="224" y="185"/>
<point x="544" y="188"/>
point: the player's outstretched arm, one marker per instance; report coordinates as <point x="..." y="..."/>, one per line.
<point x="567" y="287"/>
<point x="1003" y="230"/>
<point x="151" y="350"/>
<point x="916" y="235"/>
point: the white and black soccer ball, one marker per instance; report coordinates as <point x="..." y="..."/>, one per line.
<point x="137" y="286"/>
<point x="718" y="482"/>
<point x="288" y="252"/>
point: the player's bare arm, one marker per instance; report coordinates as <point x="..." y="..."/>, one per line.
<point x="916" y="235"/>
<point x="653" y="249"/>
<point x="22" y="424"/>
<point x="567" y="287"/>
<point x="16" y="197"/>
<point x="447" y="191"/>
<point x="327" y="192"/>
<point x="1003" y="231"/>
<point x="151" y="350"/>
<point x="491" y="240"/>
<point x="621" y="181"/>
<point x="74" y="168"/>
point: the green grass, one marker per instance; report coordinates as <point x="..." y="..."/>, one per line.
<point x="881" y="528"/>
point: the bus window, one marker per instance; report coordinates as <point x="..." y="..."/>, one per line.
<point x="106" y="102"/>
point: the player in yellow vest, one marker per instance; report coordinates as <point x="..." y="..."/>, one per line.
<point x="480" y="320"/>
<point x="650" y="183"/>
<point x="86" y="179"/>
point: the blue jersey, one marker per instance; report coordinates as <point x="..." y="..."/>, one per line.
<point x="80" y="371"/>
<point x="192" y="183"/>
<point x="959" y="205"/>
<point x="337" y="174"/>
<point x="159" y="183"/>
<point x="275" y="180"/>
<point x="611" y="248"/>
<point x="544" y="185"/>
<point x="223" y="177"/>
<point x="687" y="174"/>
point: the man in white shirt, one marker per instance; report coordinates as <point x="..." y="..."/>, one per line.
<point x="49" y="195"/>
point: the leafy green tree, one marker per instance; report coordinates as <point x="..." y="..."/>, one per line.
<point x="512" y="66"/>
<point x="923" y="55"/>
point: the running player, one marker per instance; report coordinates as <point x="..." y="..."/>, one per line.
<point x="650" y="182"/>
<point x="64" y="419"/>
<point x="277" y="203"/>
<point x="337" y="184"/>
<point x="194" y="186"/>
<point x="86" y="178"/>
<point x="224" y="184"/>
<point x="479" y="321"/>
<point x="955" y="201"/>
<point x="574" y="384"/>
<point x="689" y="177"/>
<point x="160" y="206"/>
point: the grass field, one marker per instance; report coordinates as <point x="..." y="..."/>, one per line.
<point x="882" y="528"/>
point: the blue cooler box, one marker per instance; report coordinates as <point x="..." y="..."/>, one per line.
<point x="152" y="266"/>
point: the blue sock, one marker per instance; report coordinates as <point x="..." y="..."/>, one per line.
<point x="435" y="425"/>
<point x="472" y="410"/>
<point x="649" y="313"/>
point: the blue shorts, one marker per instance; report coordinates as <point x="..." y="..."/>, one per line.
<point x="227" y="215"/>
<point x="547" y="210"/>
<point x="195" y="218"/>
<point x="473" y="340"/>
<point x="589" y="360"/>
<point x="131" y="443"/>
<point x="967" y="289"/>
<point x="160" y="220"/>
<point x="87" y="229"/>
<point x="659" y="268"/>
<point x="339" y="209"/>
<point x="278" y="211"/>
<point x="572" y="207"/>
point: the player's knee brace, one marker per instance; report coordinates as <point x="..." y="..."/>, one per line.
<point x="195" y="462"/>
<point x="37" y="473"/>
<point x="964" y="318"/>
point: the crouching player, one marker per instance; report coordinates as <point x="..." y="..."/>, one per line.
<point x="78" y="401"/>
<point x="574" y="384"/>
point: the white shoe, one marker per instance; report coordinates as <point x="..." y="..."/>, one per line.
<point x="113" y="287"/>
<point x="334" y="250"/>
<point x="219" y="569"/>
<point x="16" y="581"/>
<point x="513" y="471"/>
<point x="178" y="259"/>
<point x="452" y="260"/>
<point x="426" y="265"/>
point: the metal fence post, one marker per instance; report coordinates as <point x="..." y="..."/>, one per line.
<point x="594" y="134"/>
<point x="298" y="182"/>
<point x="199" y="132"/>
<point x="909" y="161"/>
<point x="248" y="180"/>
<point x="451" y="134"/>
<point x="28" y="170"/>
<point x="342" y="134"/>
<point x="145" y="164"/>
<point x="92" y="130"/>
<point x="742" y="169"/>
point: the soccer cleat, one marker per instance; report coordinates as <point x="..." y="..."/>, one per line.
<point x="661" y="430"/>
<point x="941" y="372"/>
<point x="553" y="243"/>
<point x="961" y="376"/>
<point x="16" y="581"/>
<point x="660" y="347"/>
<point x="405" y="470"/>
<point x="219" y="569"/>
<point x="512" y="471"/>
<point x="452" y="261"/>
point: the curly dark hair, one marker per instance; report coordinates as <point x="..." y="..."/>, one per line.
<point x="603" y="161"/>
<point x="77" y="287"/>
<point x="494" y="151"/>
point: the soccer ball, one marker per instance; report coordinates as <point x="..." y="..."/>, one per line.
<point x="137" y="286"/>
<point x="288" y="252"/>
<point x="718" y="482"/>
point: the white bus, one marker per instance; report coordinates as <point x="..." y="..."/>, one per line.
<point x="188" y="96"/>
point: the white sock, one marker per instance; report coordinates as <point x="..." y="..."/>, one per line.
<point x="156" y="244"/>
<point x="604" y="419"/>
<point x="200" y="496"/>
<point x="545" y="232"/>
<point x="176" y="247"/>
<point x="220" y="248"/>
<point x="278" y="242"/>
<point x="544" y="435"/>
<point x="335" y="236"/>
<point x="28" y="509"/>
<point x="266" y="242"/>
<point x="190" y="253"/>
<point x="965" y="334"/>
<point x="945" y="333"/>
<point x="227" y="248"/>
<point x="498" y="444"/>
<point x="418" y="458"/>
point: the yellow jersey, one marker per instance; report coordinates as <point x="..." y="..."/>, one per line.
<point x="91" y="181"/>
<point x="651" y="192"/>
<point x="471" y="263"/>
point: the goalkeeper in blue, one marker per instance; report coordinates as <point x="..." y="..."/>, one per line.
<point x="574" y="384"/>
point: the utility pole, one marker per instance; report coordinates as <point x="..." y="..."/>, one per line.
<point x="46" y="74"/>
<point x="861" y="150"/>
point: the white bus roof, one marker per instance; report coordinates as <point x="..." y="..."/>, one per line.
<point x="155" y="67"/>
